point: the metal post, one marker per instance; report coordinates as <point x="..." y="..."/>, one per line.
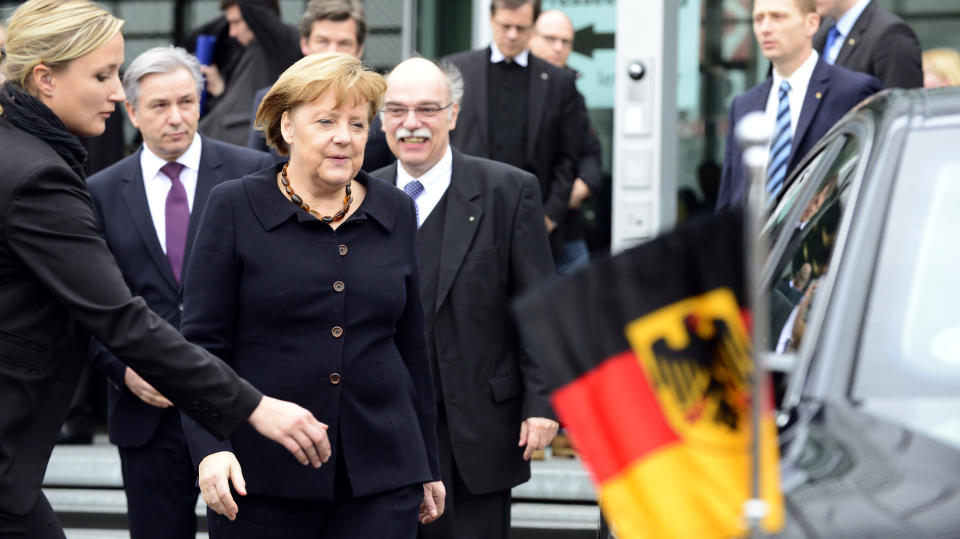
<point x="753" y="134"/>
<point x="408" y="36"/>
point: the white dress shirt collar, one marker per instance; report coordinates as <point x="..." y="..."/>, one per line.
<point x="151" y="163"/>
<point x="496" y="56"/>
<point x="843" y="25"/>
<point x="846" y="22"/>
<point x="157" y="185"/>
<point x="435" y="183"/>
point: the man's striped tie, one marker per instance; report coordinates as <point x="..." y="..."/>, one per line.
<point x="414" y="188"/>
<point x="780" y="144"/>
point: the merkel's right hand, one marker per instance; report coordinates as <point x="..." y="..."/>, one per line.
<point x="292" y="427"/>
<point x="216" y="471"/>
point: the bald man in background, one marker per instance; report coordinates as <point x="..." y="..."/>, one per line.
<point x="552" y="40"/>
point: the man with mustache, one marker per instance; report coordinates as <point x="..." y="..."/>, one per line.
<point x="149" y="205"/>
<point x="482" y="242"/>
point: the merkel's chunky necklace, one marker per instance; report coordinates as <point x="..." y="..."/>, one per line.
<point x="295" y="198"/>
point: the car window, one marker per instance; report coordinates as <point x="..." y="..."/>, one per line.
<point x="911" y="335"/>
<point x="809" y="248"/>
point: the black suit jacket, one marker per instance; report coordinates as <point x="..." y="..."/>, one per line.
<point x="879" y="44"/>
<point x="58" y="285"/>
<point x="553" y="124"/>
<point x="494" y="247"/>
<point x="267" y="285"/>
<point x="831" y="93"/>
<point x="589" y="169"/>
<point x="124" y="216"/>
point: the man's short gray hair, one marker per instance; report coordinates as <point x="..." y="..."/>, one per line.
<point x="160" y="60"/>
<point x="454" y="80"/>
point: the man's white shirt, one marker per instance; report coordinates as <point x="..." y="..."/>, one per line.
<point x="157" y="184"/>
<point x="843" y="26"/>
<point x="435" y="183"/>
<point x="799" y="81"/>
<point x="496" y="56"/>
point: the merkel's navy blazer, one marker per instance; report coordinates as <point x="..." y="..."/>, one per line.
<point x="832" y="92"/>
<point x="121" y="203"/>
<point x="494" y="247"/>
<point x="329" y="319"/>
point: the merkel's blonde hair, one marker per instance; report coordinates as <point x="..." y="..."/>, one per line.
<point x="944" y="63"/>
<point x="310" y="77"/>
<point x="54" y="33"/>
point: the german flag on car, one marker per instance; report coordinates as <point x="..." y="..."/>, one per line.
<point x="650" y="356"/>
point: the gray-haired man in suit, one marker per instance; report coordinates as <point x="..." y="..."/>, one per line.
<point x="150" y="232"/>
<point x="482" y="242"/>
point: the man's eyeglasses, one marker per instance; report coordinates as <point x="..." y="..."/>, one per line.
<point x="396" y="112"/>
<point x="553" y="40"/>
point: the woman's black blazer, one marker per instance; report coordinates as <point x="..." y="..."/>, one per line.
<point x="58" y="285"/>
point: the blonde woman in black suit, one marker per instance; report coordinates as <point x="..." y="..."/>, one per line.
<point x="58" y="281"/>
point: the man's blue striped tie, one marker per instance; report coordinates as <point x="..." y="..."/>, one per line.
<point x="414" y="188"/>
<point x="780" y="144"/>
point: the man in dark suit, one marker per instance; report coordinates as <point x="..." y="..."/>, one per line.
<point x="332" y="26"/>
<point x="521" y="110"/>
<point x="553" y="41"/>
<point x="139" y="219"/>
<point x="269" y="47"/>
<point x="482" y="242"/>
<point x="802" y="99"/>
<point x="859" y="35"/>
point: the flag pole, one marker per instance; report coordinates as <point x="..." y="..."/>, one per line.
<point x="753" y="134"/>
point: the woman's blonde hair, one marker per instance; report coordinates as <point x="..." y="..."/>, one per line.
<point x="54" y="33"/>
<point x="310" y="77"/>
<point x="944" y="63"/>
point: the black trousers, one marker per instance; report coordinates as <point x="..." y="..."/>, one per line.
<point x="40" y="523"/>
<point x="385" y="515"/>
<point x="466" y="515"/>
<point x="160" y="483"/>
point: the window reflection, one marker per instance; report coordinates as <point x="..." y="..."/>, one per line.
<point x="807" y="257"/>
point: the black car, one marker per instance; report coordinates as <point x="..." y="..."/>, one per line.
<point x="863" y="279"/>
